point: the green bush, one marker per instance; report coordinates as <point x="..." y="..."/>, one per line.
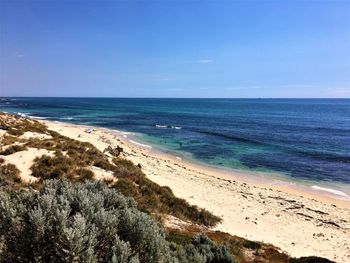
<point x="15" y="132"/>
<point x="126" y="187"/>
<point x="9" y="175"/>
<point x="8" y="140"/>
<point x="153" y="198"/>
<point x="103" y="163"/>
<point x="47" y="167"/>
<point x="251" y="244"/>
<point x="16" y="125"/>
<point x="60" y="166"/>
<point x="80" y="175"/>
<point x="89" y="222"/>
<point x="126" y="168"/>
<point x="202" y="249"/>
<point x="310" y="260"/>
<point x="80" y="153"/>
<point x="13" y="149"/>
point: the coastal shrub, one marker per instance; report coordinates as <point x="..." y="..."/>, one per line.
<point x="8" y="140"/>
<point x="251" y="244"/>
<point x="213" y="253"/>
<point x="103" y="163"/>
<point x="77" y="223"/>
<point x="16" y="125"/>
<point x="9" y="175"/>
<point x="52" y="167"/>
<point x="311" y="259"/>
<point x="65" y="222"/>
<point x="126" y="187"/>
<point x="126" y="168"/>
<point x="153" y="198"/>
<point x="233" y="244"/>
<point x="80" y="175"/>
<point x="60" y="166"/>
<point x="81" y="153"/>
<point x="13" y="149"/>
<point x="14" y="131"/>
<point x="9" y="170"/>
<point x="201" y="249"/>
<point x="47" y="144"/>
<point x="28" y="125"/>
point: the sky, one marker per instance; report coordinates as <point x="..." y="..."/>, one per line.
<point x="219" y="49"/>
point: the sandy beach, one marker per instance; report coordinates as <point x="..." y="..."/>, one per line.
<point x="299" y="222"/>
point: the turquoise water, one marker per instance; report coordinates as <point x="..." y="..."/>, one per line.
<point x="304" y="139"/>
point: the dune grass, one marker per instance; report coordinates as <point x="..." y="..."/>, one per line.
<point x="59" y="167"/>
<point x="16" y="125"/>
<point x="9" y="175"/>
<point x="153" y="198"/>
<point x="13" y="149"/>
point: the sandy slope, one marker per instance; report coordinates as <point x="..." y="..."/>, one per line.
<point x="300" y="223"/>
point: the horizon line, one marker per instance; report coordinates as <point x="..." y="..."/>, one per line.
<point x="125" y="97"/>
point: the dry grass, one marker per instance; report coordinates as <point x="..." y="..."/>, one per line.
<point x="153" y="198"/>
<point x="16" y="125"/>
<point x="9" y="175"/>
<point x="60" y="167"/>
<point x="244" y="251"/>
<point x="13" y="149"/>
<point x="9" y="139"/>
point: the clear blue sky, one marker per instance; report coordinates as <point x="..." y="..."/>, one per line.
<point x="175" y="48"/>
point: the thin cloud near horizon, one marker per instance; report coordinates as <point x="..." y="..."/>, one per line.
<point x="205" y="60"/>
<point x="298" y="86"/>
<point x="242" y="87"/>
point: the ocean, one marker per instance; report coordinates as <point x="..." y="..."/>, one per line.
<point x="305" y="140"/>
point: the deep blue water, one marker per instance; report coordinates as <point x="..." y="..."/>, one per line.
<point x="303" y="138"/>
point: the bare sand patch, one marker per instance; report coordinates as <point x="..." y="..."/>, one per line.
<point x="24" y="160"/>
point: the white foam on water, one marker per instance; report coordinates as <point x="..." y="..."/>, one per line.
<point x="283" y="183"/>
<point x="127" y="133"/>
<point x="140" y="144"/>
<point x="38" y="118"/>
<point x="168" y="127"/>
<point x="179" y="158"/>
<point x="330" y="190"/>
<point x="22" y="114"/>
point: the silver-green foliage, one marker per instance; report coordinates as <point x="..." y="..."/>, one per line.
<point x="89" y="222"/>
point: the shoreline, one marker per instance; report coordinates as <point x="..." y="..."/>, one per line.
<point x="299" y="223"/>
<point x="263" y="179"/>
<point x="271" y="180"/>
<point x="312" y="189"/>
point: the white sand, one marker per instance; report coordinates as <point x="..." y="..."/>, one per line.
<point x="24" y="160"/>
